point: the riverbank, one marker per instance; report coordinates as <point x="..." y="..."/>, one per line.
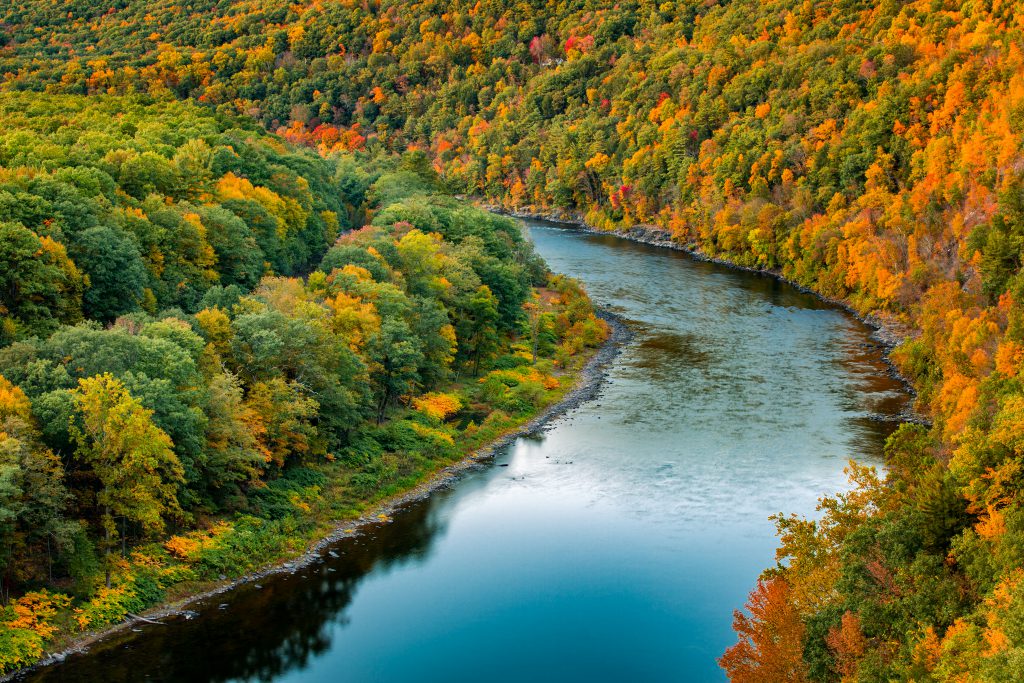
<point x="887" y="333"/>
<point x="586" y="385"/>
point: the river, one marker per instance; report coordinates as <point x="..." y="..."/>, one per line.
<point x="613" y="546"/>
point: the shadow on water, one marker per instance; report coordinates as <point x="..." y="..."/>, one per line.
<point x="267" y="631"/>
<point x="657" y="350"/>
<point x="763" y="286"/>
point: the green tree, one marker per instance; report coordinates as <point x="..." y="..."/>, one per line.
<point x="239" y="257"/>
<point x="396" y="355"/>
<point x="232" y="459"/>
<point x="477" y="329"/>
<point x="39" y="285"/>
<point x="116" y="274"/>
<point x="33" y="498"/>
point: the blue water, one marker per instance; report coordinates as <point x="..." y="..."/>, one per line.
<point x="614" y="546"/>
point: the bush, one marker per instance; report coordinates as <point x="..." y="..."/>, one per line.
<point x="510" y="362"/>
<point x="373" y="478"/>
<point x="109" y="606"/>
<point x="27" y="625"/>
<point x="252" y="542"/>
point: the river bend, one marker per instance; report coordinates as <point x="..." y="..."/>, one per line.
<point x="612" y="547"/>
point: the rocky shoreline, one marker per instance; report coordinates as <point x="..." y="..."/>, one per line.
<point x="587" y="386"/>
<point x="885" y="333"/>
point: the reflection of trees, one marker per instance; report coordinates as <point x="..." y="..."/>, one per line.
<point x="264" y="633"/>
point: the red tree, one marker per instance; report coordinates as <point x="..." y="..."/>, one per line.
<point x="770" y="647"/>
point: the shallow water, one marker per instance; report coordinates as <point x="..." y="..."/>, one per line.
<point x="614" y="546"/>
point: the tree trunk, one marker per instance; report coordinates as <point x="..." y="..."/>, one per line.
<point x="107" y="543"/>
<point x="535" y="330"/>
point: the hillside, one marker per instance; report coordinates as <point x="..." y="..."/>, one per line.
<point x="870" y="151"/>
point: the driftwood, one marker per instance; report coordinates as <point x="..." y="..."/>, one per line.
<point x="148" y="621"/>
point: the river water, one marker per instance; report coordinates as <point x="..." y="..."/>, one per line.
<point x="612" y="547"/>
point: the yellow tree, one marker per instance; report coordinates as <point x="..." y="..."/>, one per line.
<point x="132" y="458"/>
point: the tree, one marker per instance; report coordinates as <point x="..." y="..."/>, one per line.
<point x="432" y="327"/>
<point x="281" y="418"/>
<point x="142" y="174"/>
<point x="533" y="314"/>
<point x="239" y="257"/>
<point x="131" y="458"/>
<point x="396" y="355"/>
<point x="770" y="647"/>
<point x="477" y="328"/>
<point x="33" y="498"/>
<point x="116" y="274"/>
<point x="232" y="458"/>
<point x="39" y="285"/>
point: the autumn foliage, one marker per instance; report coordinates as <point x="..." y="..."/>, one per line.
<point x="770" y="647"/>
<point x="871" y="151"/>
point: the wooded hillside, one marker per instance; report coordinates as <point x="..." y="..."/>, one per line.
<point x="869" y="150"/>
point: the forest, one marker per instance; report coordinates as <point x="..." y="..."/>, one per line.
<point x="871" y="151"/>
<point x="216" y="345"/>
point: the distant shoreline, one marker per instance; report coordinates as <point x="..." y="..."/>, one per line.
<point x="883" y="332"/>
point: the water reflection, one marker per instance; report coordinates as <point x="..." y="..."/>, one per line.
<point x="660" y="352"/>
<point x="266" y="629"/>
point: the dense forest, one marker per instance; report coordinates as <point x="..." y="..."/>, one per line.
<point x="204" y="365"/>
<point x="871" y="151"/>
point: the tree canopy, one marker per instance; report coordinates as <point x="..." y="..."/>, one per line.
<point x="871" y="151"/>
